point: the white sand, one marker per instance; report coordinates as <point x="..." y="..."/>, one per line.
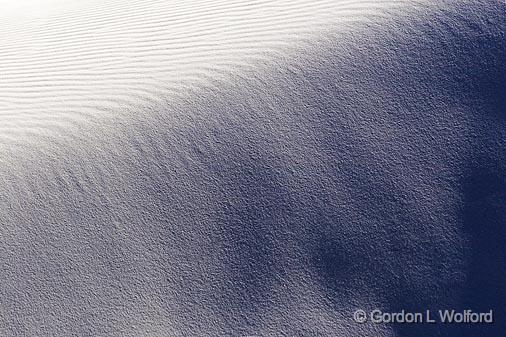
<point x="242" y="168"/>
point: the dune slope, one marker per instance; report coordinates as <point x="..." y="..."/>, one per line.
<point x="251" y="168"/>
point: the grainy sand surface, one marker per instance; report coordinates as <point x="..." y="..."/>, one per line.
<point x="251" y="168"/>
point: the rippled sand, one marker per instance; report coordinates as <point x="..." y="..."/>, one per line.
<point x="250" y="168"/>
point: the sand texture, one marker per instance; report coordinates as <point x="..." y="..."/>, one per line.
<point x="251" y="168"/>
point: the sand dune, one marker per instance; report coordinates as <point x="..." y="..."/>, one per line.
<point x="250" y="168"/>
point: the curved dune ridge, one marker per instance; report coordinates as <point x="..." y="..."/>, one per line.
<point x="62" y="68"/>
<point x="251" y="168"/>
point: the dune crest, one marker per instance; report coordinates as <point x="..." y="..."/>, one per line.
<point x="250" y="168"/>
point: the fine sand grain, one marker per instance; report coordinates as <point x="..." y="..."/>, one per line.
<point x="251" y="168"/>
